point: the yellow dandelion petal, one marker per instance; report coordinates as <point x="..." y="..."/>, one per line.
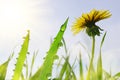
<point x="85" y="17"/>
<point x="102" y="14"/>
<point x="78" y="25"/>
<point x="92" y="14"/>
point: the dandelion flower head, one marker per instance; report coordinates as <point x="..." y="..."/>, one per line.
<point x="87" y="21"/>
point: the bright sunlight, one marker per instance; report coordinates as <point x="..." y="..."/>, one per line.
<point x="17" y="15"/>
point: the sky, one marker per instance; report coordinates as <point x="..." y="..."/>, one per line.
<point x="44" y="17"/>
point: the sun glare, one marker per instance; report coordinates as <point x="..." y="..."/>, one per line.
<point x="15" y="15"/>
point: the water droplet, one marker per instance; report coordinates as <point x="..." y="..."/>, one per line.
<point x="60" y="44"/>
<point x="62" y="28"/>
<point x="56" y="57"/>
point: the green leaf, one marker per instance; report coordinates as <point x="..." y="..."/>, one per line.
<point x="21" y="58"/>
<point x="46" y="69"/>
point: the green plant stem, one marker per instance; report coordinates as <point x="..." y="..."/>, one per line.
<point x="91" y="60"/>
<point x="93" y="48"/>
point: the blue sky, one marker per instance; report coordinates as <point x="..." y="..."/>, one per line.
<point x="44" y="18"/>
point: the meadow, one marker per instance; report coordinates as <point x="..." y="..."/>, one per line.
<point x="65" y="68"/>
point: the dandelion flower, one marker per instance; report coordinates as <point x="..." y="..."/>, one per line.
<point x="87" y="21"/>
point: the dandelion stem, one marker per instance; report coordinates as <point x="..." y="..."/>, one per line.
<point x="93" y="47"/>
<point x="92" y="57"/>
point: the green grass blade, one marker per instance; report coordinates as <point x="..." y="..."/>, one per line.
<point x="68" y="76"/>
<point x="3" y="69"/>
<point x="59" y="63"/>
<point x="36" y="75"/>
<point x="21" y="58"/>
<point x="70" y="73"/>
<point x="32" y="63"/>
<point x="103" y="40"/>
<point x="117" y="75"/>
<point x="99" y="68"/>
<point x="22" y="77"/>
<point x="106" y="75"/>
<point x="62" y="71"/>
<point x="99" y="63"/>
<point x="46" y="68"/>
<point x="67" y="71"/>
<point x="64" y="44"/>
<point x="72" y="67"/>
<point x="26" y="68"/>
<point x="81" y="68"/>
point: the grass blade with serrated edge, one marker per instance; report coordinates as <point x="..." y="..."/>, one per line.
<point x="46" y="69"/>
<point x="21" y="58"/>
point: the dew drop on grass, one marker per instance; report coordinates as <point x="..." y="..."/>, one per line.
<point x="62" y="28"/>
<point x="56" y="57"/>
